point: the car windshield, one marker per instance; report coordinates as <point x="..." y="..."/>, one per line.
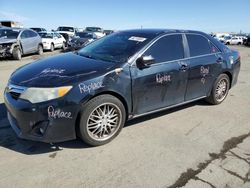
<point x="84" y="35"/>
<point x="117" y="47"/>
<point x="228" y="37"/>
<point x="36" y="29"/>
<point x="71" y="29"/>
<point x="46" y="35"/>
<point x="94" y="29"/>
<point x="9" y="33"/>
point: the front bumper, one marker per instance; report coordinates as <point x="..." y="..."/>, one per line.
<point x="5" y="53"/>
<point x="32" y="121"/>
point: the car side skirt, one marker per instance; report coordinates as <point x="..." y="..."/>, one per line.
<point x="165" y="108"/>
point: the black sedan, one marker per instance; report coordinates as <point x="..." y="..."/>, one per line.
<point x="93" y="92"/>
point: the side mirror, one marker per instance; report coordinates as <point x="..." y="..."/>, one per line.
<point x="145" y="61"/>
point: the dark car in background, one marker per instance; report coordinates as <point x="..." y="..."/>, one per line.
<point x="38" y="29"/>
<point x="91" y="93"/>
<point x="81" y="39"/>
<point x="246" y="41"/>
<point x="15" y="42"/>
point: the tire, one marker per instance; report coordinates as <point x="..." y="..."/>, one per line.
<point x="239" y="43"/>
<point x="228" y="43"/>
<point x="220" y="90"/>
<point x="40" y="49"/>
<point x="17" y="54"/>
<point x="64" y="47"/>
<point x="52" y="47"/>
<point x="102" y="119"/>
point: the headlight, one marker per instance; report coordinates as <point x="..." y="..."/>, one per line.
<point x="36" y="95"/>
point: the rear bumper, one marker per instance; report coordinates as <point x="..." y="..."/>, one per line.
<point x="32" y="122"/>
<point x="235" y="74"/>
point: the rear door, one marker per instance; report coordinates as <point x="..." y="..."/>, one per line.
<point x="163" y="83"/>
<point x="204" y="66"/>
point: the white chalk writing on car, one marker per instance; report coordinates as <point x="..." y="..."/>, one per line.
<point x="161" y="78"/>
<point x="58" y="113"/>
<point x="204" y="71"/>
<point x="90" y="87"/>
<point x="49" y="70"/>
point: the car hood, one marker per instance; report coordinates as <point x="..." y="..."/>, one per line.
<point x="60" y="70"/>
<point x="4" y="40"/>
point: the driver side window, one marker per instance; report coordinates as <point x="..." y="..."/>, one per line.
<point x="167" y="48"/>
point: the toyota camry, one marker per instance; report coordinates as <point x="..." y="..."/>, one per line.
<point x="91" y="93"/>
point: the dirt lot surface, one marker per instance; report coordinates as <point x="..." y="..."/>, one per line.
<point x="193" y="146"/>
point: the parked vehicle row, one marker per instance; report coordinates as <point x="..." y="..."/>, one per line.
<point x="230" y="39"/>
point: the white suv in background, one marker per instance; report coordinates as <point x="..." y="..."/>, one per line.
<point x="234" y="40"/>
<point x="52" y="40"/>
<point x="70" y="31"/>
<point x="96" y="30"/>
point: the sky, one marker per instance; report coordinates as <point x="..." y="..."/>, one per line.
<point x="203" y="15"/>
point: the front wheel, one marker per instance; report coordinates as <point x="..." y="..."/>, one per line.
<point x="64" y="47"/>
<point x="52" y="47"/>
<point x="40" y="49"/>
<point x="102" y="119"/>
<point x="220" y="90"/>
<point x="17" y="54"/>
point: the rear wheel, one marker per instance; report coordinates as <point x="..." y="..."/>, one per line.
<point x="220" y="90"/>
<point x="40" y="49"/>
<point x="64" y="46"/>
<point x="239" y="43"/>
<point x="52" y="47"/>
<point x="17" y="54"/>
<point x="102" y="119"/>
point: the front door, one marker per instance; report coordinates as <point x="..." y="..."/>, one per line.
<point x="163" y="83"/>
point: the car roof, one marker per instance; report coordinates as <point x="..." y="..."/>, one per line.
<point x="161" y="31"/>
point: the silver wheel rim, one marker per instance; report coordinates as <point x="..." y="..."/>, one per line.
<point x="19" y="54"/>
<point x="221" y="90"/>
<point x="104" y="121"/>
<point x="40" y="50"/>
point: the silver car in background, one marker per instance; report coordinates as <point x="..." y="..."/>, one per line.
<point x="15" y="42"/>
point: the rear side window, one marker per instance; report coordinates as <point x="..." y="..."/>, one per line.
<point x="32" y="34"/>
<point x="167" y="48"/>
<point x="198" y="45"/>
